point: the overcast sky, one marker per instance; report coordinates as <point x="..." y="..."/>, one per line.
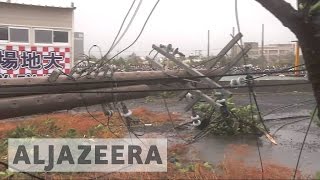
<point x="183" y="23"/>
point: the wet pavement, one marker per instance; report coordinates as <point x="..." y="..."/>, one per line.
<point x="299" y="106"/>
<point x="289" y="137"/>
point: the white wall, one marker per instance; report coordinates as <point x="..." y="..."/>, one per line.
<point x="28" y="15"/>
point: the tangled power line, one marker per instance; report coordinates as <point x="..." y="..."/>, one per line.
<point x="125" y="114"/>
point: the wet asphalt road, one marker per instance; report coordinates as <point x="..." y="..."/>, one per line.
<point x="289" y="138"/>
<point x="213" y="149"/>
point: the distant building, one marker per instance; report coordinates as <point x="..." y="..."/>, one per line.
<point x="272" y="52"/>
<point x="35" y="39"/>
<point x="78" y="45"/>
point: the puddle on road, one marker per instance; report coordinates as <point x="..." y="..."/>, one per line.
<point x="213" y="148"/>
<point x="289" y="138"/>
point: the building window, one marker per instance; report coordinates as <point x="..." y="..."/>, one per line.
<point x="4" y="34"/>
<point x="43" y="36"/>
<point x="60" y="36"/>
<point x="19" y="35"/>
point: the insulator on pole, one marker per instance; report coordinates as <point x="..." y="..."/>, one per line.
<point x="54" y="75"/>
<point x="196" y="123"/>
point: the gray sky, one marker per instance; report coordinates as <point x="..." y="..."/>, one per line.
<point x="183" y="23"/>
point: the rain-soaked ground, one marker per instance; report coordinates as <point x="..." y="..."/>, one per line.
<point x="289" y="137"/>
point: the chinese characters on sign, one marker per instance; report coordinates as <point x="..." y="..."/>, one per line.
<point x="20" y="62"/>
<point x="9" y="59"/>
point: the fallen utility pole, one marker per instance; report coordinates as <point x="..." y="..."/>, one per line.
<point x="191" y="71"/>
<point x="225" y="50"/>
<point x="29" y="105"/>
<point x="236" y="60"/>
<point x="26" y="86"/>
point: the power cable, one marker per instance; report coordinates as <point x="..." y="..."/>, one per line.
<point x="286" y="124"/>
<point x="237" y="19"/>
<point x="95" y="46"/>
<point x="288" y="106"/>
<point x="128" y="26"/>
<point x="143" y="27"/>
<point x="171" y="120"/>
<point x="260" y="158"/>
<point x="251" y="93"/>
<point x="114" y="97"/>
<point x="113" y="43"/>
<point x="283" y="70"/>
<point x="97" y="120"/>
<point x="304" y="141"/>
<point x="250" y="88"/>
<point x="120" y="29"/>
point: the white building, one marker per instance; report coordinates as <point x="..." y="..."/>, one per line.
<point x="35" y="40"/>
<point x="271" y="52"/>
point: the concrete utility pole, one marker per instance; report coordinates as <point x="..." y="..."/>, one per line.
<point x="208" y="44"/>
<point x="297" y="59"/>
<point x="262" y="42"/>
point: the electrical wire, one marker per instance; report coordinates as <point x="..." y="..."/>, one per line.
<point x="114" y="44"/>
<point x="250" y="88"/>
<point x="260" y="158"/>
<point x="115" y="39"/>
<point x="128" y="26"/>
<point x="237" y="19"/>
<point x="283" y="70"/>
<point x="115" y="101"/>
<point x="286" y="124"/>
<point x="95" y="46"/>
<point x="304" y="141"/>
<point x="120" y="29"/>
<point x="97" y="120"/>
<point x="143" y="27"/>
<point x="171" y="120"/>
<point x="251" y="93"/>
<point x="289" y="106"/>
<point x="259" y="112"/>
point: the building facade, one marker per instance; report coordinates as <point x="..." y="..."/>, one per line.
<point x="78" y="45"/>
<point x="272" y="52"/>
<point x="35" y="40"/>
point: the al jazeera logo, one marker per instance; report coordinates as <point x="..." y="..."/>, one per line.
<point x="87" y="155"/>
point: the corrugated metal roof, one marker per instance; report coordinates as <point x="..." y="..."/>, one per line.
<point x="37" y="5"/>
